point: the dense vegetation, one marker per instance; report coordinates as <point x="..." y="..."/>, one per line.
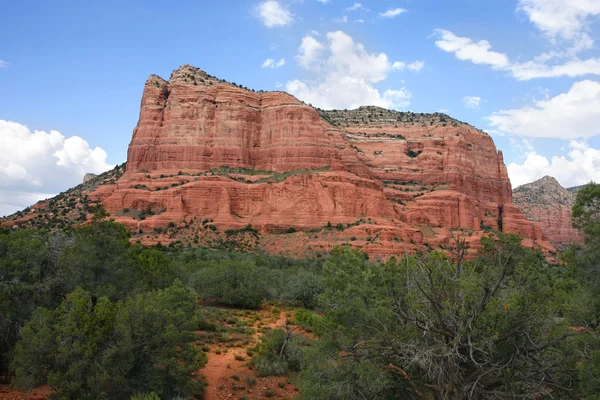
<point x="96" y="317"/>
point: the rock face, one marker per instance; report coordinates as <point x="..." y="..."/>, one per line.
<point x="88" y="177"/>
<point x="389" y="181"/>
<point x="547" y="204"/>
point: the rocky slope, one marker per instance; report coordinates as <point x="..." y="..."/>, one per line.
<point x="547" y="204"/>
<point x="215" y="163"/>
<point x="67" y="209"/>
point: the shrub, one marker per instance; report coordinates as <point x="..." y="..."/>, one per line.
<point x="233" y="283"/>
<point x="145" y="396"/>
<point x="413" y="154"/>
<point x="279" y="352"/>
<point x="309" y="321"/>
<point x="305" y="288"/>
<point x="250" y="381"/>
<point x="92" y="348"/>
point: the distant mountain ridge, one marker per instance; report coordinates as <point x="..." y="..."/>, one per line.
<point x="547" y="204"/>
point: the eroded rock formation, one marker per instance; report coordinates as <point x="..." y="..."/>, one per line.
<point x="204" y="148"/>
<point x="548" y="205"/>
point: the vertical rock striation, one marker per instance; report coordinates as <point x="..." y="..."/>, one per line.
<point x="548" y="205"/>
<point x="206" y="148"/>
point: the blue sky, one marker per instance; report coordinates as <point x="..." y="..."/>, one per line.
<point x="72" y="73"/>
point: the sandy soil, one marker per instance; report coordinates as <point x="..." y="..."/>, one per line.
<point x="222" y="370"/>
<point x="37" y="394"/>
<point x="226" y="377"/>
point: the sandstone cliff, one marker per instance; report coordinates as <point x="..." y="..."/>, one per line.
<point x="389" y="181"/>
<point x="216" y="164"/>
<point x="547" y="204"/>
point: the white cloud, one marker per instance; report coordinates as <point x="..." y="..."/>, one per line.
<point x="392" y="13"/>
<point x="4" y="64"/>
<point x="416" y="66"/>
<point x="572" y="69"/>
<point x="345" y="74"/>
<point x="398" y="65"/>
<point x="323" y="1"/>
<point x="36" y="165"/>
<point x="579" y="166"/>
<point x="360" y="21"/>
<point x="273" y="14"/>
<point x="562" y="20"/>
<point x="471" y="101"/>
<point x="481" y="53"/>
<point x="354" y="7"/>
<point x="466" y="49"/>
<point x="492" y="132"/>
<point x="271" y="63"/>
<point x="309" y="53"/>
<point x="348" y="92"/>
<point x="570" y="115"/>
<point x="342" y="20"/>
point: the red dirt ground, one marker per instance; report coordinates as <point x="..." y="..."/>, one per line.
<point x="221" y="368"/>
<point x="218" y="373"/>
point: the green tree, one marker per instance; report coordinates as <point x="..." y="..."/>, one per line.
<point x="499" y="326"/>
<point x="94" y="349"/>
<point x="99" y="261"/>
<point x="63" y="348"/>
<point x="304" y="287"/>
<point x="29" y="277"/>
<point x="151" y="269"/>
<point x="239" y="284"/>
<point x="586" y="212"/>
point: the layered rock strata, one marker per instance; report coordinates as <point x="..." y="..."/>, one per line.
<point x="548" y="205"/>
<point x="393" y="182"/>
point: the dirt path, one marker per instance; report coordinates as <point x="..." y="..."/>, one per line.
<point x="218" y="372"/>
<point x="6" y="393"/>
<point x="228" y="378"/>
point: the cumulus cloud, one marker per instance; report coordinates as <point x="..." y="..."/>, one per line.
<point x="471" y="101"/>
<point x="579" y="166"/>
<point x="345" y="74"/>
<point x="271" y="63"/>
<point x="391" y="13"/>
<point x="272" y="14"/>
<point x="36" y="164"/>
<point x="570" y="115"/>
<point x="565" y="23"/>
<point x="481" y="53"/>
<point x="309" y="53"/>
<point x="562" y="20"/>
<point x="466" y="49"/>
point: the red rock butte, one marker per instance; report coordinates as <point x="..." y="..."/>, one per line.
<point x="395" y="181"/>
<point x="548" y="205"/>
